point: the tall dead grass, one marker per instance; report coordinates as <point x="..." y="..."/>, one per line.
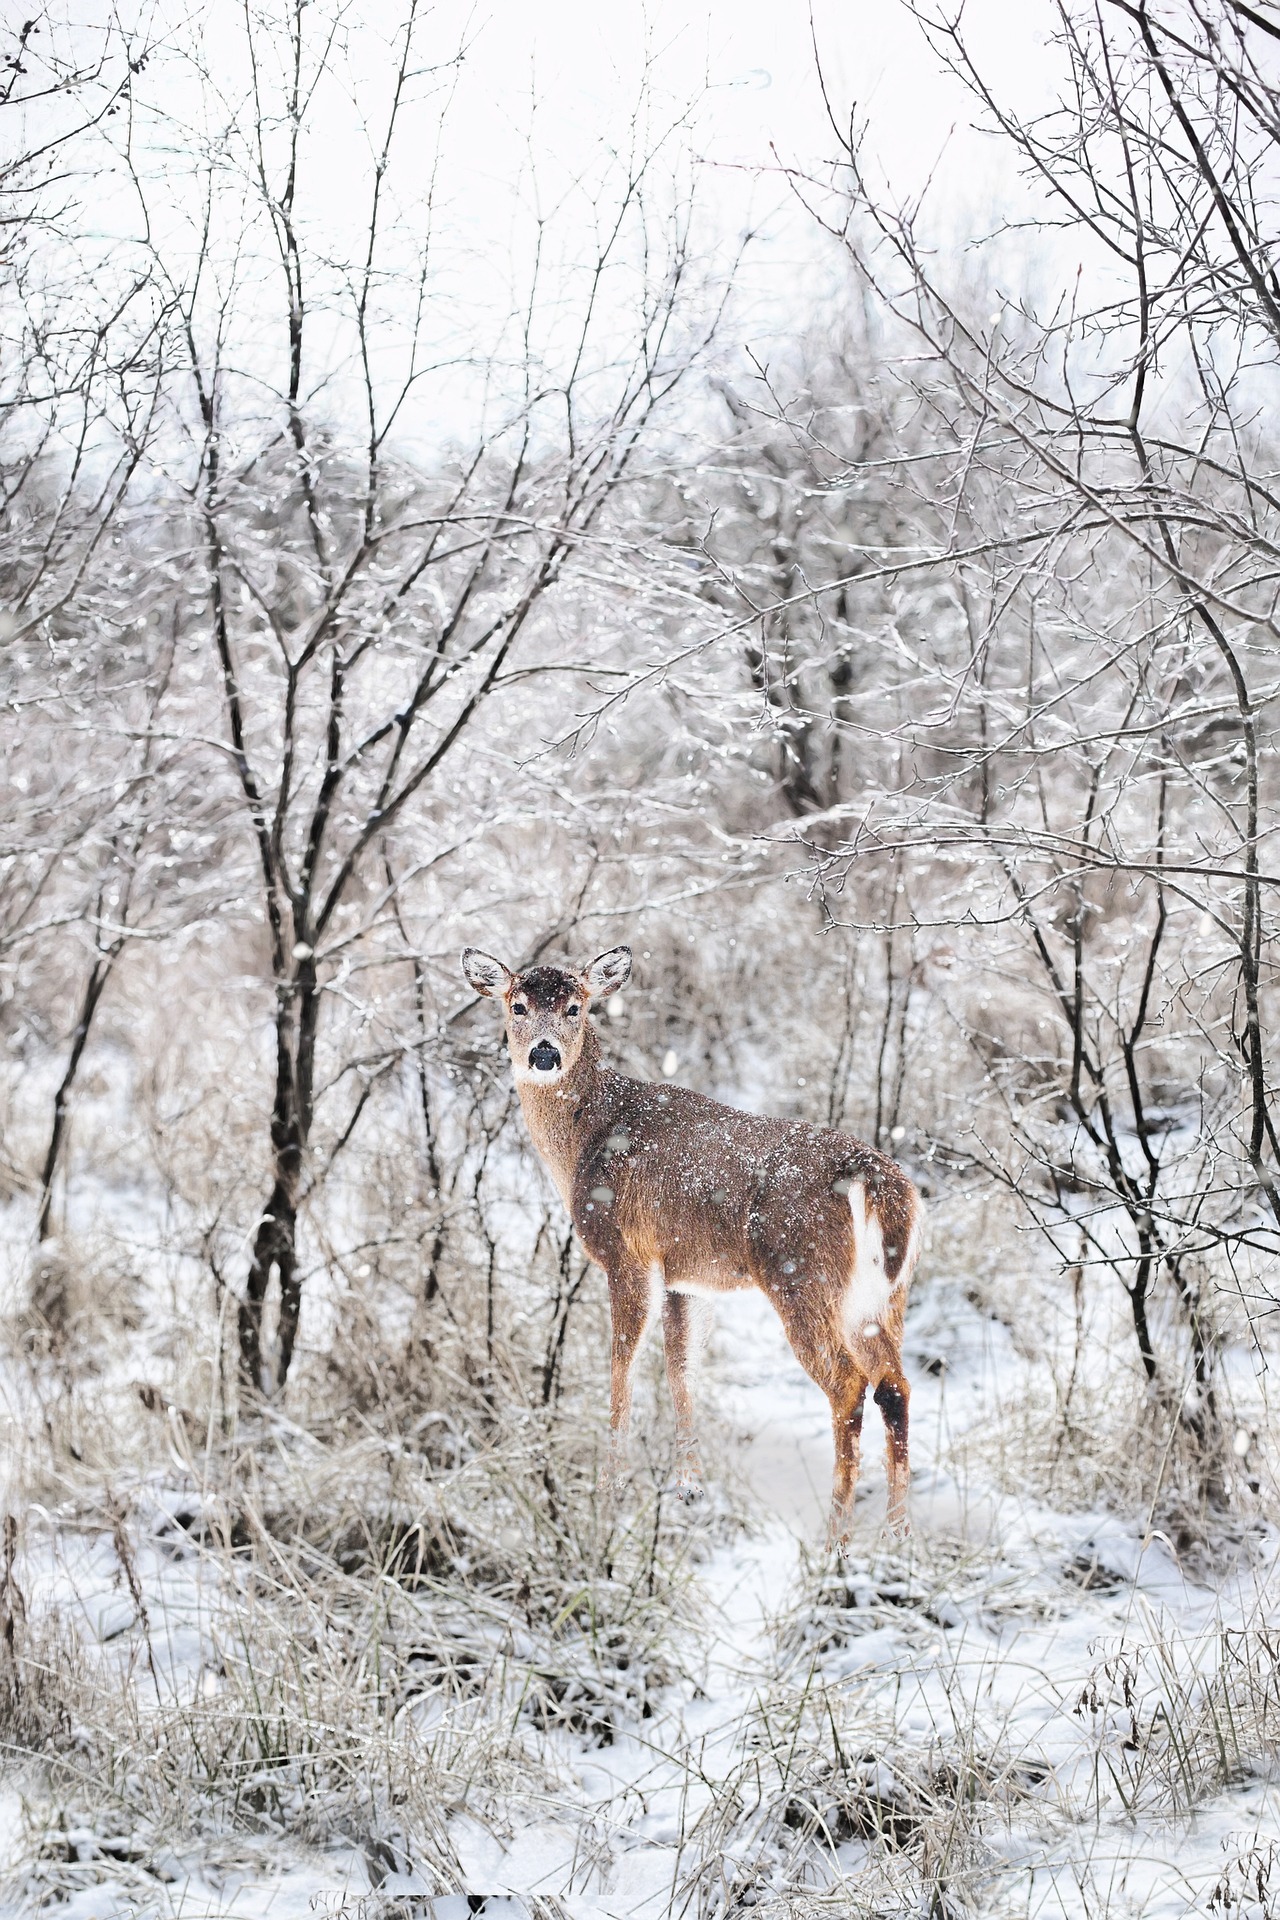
<point x="339" y="1621"/>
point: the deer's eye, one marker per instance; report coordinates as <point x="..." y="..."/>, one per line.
<point x="573" y="1011"/>
<point x="520" y="1009"/>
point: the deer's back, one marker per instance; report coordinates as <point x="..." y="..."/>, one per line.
<point x="723" y="1198"/>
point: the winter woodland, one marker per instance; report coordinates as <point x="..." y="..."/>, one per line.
<point x="870" y="619"/>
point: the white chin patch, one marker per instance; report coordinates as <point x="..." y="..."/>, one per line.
<point x="540" y="1076"/>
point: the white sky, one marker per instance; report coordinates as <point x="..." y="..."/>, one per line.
<point x="762" y="105"/>
<point x="582" y="62"/>
<point x="572" y="71"/>
<point x="757" y="56"/>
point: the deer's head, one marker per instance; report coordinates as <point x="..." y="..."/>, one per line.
<point x="546" y="1007"/>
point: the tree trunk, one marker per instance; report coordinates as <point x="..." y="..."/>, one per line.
<point x="88" y="1007"/>
<point x="275" y="1245"/>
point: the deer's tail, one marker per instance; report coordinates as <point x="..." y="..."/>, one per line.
<point x="881" y="1267"/>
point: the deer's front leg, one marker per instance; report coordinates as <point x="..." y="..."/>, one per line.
<point x="678" y="1339"/>
<point x="629" y="1305"/>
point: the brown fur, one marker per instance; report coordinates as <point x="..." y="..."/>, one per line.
<point x="661" y="1181"/>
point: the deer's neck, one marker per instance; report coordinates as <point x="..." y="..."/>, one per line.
<point x="562" y="1118"/>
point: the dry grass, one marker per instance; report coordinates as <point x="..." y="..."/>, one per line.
<point x="378" y="1649"/>
<point x="835" y="1800"/>
<point x="341" y="1625"/>
<point x="1177" y="1720"/>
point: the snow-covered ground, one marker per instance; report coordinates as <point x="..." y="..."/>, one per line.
<point x="1038" y="1711"/>
<point x="990" y="1623"/>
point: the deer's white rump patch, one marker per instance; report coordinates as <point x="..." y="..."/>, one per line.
<point x="867" y="1293"/>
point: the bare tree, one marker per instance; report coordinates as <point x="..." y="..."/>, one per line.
<point x="1085" y="762"/>
<point x="364" y="610"/>
<point x="81" y="362"/>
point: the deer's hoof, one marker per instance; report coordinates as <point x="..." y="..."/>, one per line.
<point x="897" y="1526"/>
<point x="840" y="1534"/>
<point x="689" y="1487"/>
<point x="615" y="1473"/>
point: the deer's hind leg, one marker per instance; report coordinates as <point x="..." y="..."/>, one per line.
<point x="847" y="1392"/>
<point x="680" y="1338"/>
<point x="892" y="1396"/>
<point x="824" y="1353"/>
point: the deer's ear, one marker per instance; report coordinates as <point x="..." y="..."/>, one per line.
<point x="608" y="972"/>
<point x="486" y="974"/>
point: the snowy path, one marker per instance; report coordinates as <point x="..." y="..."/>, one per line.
<point x="647" y="1794"/>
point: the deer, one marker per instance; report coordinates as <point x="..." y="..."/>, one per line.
<point x="677" y="1196"/>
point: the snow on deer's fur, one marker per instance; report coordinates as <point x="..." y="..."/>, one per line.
<point x="674" y="1194"/>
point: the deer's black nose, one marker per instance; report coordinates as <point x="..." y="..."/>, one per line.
<point x="544" y="1057"/>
